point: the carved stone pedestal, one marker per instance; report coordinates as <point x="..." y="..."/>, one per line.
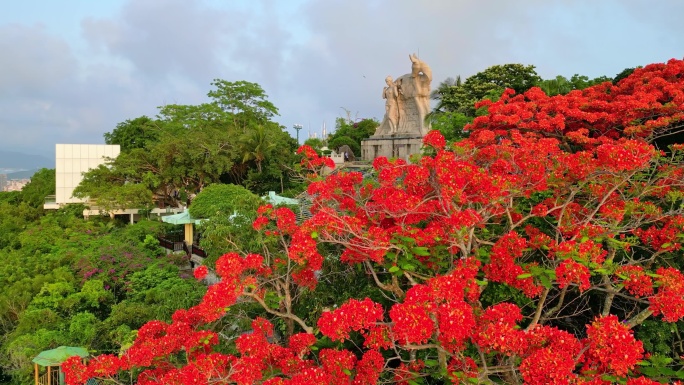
<point x="391" y="146"/>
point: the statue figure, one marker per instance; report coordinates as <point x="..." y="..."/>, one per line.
<point x="407" y="102"/>
<point x="391" y="93"/>
<point x="422" y="76"/>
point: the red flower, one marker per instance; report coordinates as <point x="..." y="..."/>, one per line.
<point x="569" y="272"/>
<point x="434" y="139"/>
<point x="612" y="347"/>
<point x="200" y="272"/>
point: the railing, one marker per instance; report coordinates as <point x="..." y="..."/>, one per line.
<point x="171" y="245"/>
<point x="48" y="378"/>
<point x="181" y="246"/>
<point x="174" y="236"/>
<point x="198" y="251"/>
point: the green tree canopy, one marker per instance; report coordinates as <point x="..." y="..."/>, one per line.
<point x="315" y="143"/>
<point x="187" y="147"/>
<point x="351" y="133"/>
<point x="134" y="133"/>
<point x="454" y="97"/>
<point x="246" y="102"/>
<point x="224" y="198"/>
<point x="561" y="85"/>
<point x="42" y="184"/>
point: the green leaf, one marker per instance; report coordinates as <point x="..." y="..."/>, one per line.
<point x="422" y="251"/>
<point x="430" y="363"/>
<point x="524" y="275"/>
<point x="346" y="371"/>
<point x="408" y="266"/>
<point x="407" y="239"/>
<point x="668" y="372"/>
<point x="393" y="269"/>
<point x="314" y="234"/>
<point x="609" y="378"/>
<point x="545" y="281"/>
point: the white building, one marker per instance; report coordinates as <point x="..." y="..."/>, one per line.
<point x="71" y="161"/>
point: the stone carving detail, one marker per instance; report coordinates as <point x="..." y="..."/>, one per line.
<point x="407" y="102"/>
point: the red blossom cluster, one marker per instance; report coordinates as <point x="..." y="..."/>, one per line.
<point x="312" y="161"/>
<point x="611" y="347"/>
<point x="569" y="272"/>
<point x="644" y="104"/>
<point x="669" y="299"/>
<point x="636" y="280"/>
<point x="503" y="267"/>
<point x="302" y="251"/>
<point x="351" y="316"/>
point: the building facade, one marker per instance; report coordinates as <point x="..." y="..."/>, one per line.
<point x="71" y="161"/>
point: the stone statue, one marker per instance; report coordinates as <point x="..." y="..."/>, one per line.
<point x="422" y="76"/>
<point x="391" y="93"/>
<point x="407" y="102"/>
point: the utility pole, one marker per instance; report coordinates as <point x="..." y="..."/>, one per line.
<point x="297" y="127"/>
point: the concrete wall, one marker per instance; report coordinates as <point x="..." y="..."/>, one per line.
<point x="390" y="147"/>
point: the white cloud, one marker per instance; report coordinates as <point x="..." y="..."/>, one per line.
<point x="311" y="56"/>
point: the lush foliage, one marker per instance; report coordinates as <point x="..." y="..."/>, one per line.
<point x="167" y="160"/>
<point x="529" y="252"/>
<point x="315" y="143"/>
<point x="351" y="133"/>
<point x="457" y="96"/>
<point x="561" y="85"/>
<point x="67" y="281"/>
<point x="223" y="198"/>
<point x="229" y="210"/>
<point x="134" y="133"/>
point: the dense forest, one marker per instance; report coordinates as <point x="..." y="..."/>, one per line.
<point x="574" y="219"/>
<point x="67" y="281"/>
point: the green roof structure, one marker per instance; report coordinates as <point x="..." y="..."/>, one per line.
<point x="55" y="357"/>
<point x="276" y="199"/>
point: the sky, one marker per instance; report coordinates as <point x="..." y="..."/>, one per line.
<point x="70" y="70"/>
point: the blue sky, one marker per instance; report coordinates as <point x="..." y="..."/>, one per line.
<point x="71" y="70"/>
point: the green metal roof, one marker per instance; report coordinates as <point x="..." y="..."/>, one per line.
<point x="276" y="199"/>
<point x="180" y="218"/>
<point x="55" y="357"/>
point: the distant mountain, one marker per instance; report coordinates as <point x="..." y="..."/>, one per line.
<point x="18" y="160"/>
<point x="22" y="174"/>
